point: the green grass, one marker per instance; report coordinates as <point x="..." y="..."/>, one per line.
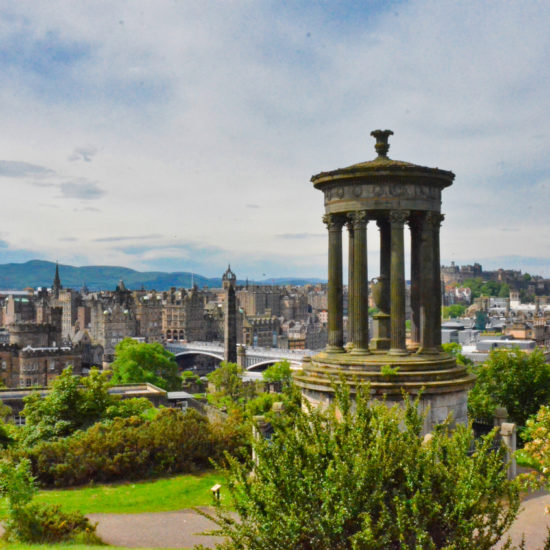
<point x="161" y="495"/>
<point x="61" y="546"/>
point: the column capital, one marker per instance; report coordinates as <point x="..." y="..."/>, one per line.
<point x="415" y="221"/>
<point x="435" y="219"/>
<point x="399" y="217"/>
<point x="359" y="219"/>
<point x="334" y="222"/>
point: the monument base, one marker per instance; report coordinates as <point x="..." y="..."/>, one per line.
<point x="442" y="383"/>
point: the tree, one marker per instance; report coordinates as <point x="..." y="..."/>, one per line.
<point x="137" y="362"/>
<point x="278" y="373"/>
<point x="513" y="379"/>
<point x="74" y="403"/>
<point x="454" y="311"/>
<point x="358" y="475"/>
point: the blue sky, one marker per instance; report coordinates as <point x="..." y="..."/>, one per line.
<point x="182" y="135"/>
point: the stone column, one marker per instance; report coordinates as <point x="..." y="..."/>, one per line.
<point x="360" y="284"/>
<point x="427" y="304"/>
<point x="381" y="291"/>
<point x="335" y="299"/>
<point x="437" y="220"/>
<point x="397" y="283"/>
<point x="351" y="291"/>
<point x="385" y="262"/>
<point x="416" y="245"/>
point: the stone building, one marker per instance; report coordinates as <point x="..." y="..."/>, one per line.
<point x="183" y="315"/>
<point x="260" y="300"/>
<point x="35" y="366"/>
<point x="112" y="319"/>
<point x="149" y="312"/>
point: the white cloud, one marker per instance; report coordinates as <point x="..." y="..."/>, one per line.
<point x="203" y="111"/>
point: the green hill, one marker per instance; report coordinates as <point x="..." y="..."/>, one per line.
<point x="37" y="273"/>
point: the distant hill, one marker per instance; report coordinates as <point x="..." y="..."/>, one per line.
<point x="37" y="273"/>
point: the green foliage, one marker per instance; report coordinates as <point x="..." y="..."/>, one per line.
<point x="388" y="370"/>
<point x="486" y="288"/>
<point x="137" y="362"/>
<point x="359" y="476"/>
<point x="454" y="311"/>
<point x="34" y="522"/>
<point x="230" y="390"/>
<point x="134" y="448"/>
<point x="513" y="379"/>
<point x="278" y="373"/>
<point x="262" y="403"/>
<point x="74" y="403"/>
<point x="455" y="349"/>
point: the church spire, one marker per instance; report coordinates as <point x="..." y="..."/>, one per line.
<point x="56" y="287"/>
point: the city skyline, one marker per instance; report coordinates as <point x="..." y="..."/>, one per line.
<point x="182" y="136"/>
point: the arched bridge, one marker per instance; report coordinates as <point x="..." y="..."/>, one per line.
<point x="256" y="359"/>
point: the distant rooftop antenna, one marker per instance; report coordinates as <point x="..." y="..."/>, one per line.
<point x="192" y="280"/>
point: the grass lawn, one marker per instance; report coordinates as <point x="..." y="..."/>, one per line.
<point x="160" y="495"/>
<point x="14" y="546"/>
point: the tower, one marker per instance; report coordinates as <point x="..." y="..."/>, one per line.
<point x="393" y="194"/>
<point x="229" y="282"/>
<point x="56" y="286"/>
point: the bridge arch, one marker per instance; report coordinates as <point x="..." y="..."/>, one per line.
<point x="205" y="361"/>
<point x="260" y="367"/>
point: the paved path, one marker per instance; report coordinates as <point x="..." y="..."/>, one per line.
<point x="155" y="530"/>
<point x="532" y="521"/>
<point x="181" y="529"/>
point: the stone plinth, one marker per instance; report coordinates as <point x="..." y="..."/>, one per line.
<point x="444" y="384"/>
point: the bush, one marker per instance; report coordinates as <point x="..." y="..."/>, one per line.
<point x="134" y="448"/>
<point x="46" y="524"/>
<point x="359" y="475"/>
<point x="32" y="522"/>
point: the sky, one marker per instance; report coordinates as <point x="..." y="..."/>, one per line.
<point x="182" y="135"/>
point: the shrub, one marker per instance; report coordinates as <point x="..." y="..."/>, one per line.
<point x="359" y="475"/>
<point x="32" y="522"/>
<point x="134" y="448"/>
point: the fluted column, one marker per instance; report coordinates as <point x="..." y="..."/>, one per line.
<point x="437" y="221"/>
<point x="416" y="245"/>
<point x="397" y="282"/>
<point x="351" y="292"/>
<point x="335" y="299"/>
<point x="385" y="262"/>
<point x="427" y="303"/>
<point x="360" y="284"/>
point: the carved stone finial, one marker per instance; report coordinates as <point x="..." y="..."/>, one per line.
<point x="382" y="146"/>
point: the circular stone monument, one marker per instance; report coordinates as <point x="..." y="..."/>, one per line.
<point x="392" y="194"/>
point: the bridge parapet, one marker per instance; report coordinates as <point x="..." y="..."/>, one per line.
<point x="254" y="356"/>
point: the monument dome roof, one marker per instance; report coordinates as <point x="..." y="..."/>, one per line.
<point x="382" y="165"/>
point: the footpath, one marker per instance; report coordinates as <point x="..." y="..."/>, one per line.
<point x="182" y="529"/>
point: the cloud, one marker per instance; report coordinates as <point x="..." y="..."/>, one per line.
<point x="252" y="205"/>
<point x="16" y="169"/>
<point x="81" y="189"/>
<point x="83" y="153"/>
<point x="127" y="238"/>
<point x="68" y="239"/>
<point x="300" y="235"/>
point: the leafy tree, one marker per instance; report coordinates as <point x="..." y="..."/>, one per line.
<point x="513" y="379"/>
<point x="230" y="390"/>
<point x="454" y="311"/>
<point x="504" y="291"/>
<point x="358" y="475"/>
<point x="137" y="362"/>
<point x="74" y="403"/>
<point x="279" y="372"/>
<point x="456" y="350"/>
